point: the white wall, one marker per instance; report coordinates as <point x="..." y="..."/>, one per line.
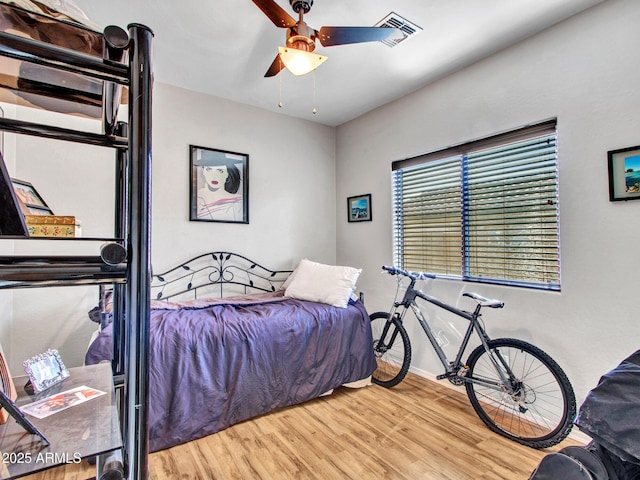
<point x="291" y="193"/>
<point x="291" y="181"/>
<point x="584" y="72"/>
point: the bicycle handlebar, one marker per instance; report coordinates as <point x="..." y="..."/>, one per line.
<point x="411" y="275"/>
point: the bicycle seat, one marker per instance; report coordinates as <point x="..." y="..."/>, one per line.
<point x="485" y="302"/>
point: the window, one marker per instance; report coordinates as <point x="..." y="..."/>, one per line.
<point x="484" y="211"/>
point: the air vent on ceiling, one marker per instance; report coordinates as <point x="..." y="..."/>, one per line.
<point x="393" y="20"/>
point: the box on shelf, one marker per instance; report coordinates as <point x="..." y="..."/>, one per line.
<point x="53" y="226"/>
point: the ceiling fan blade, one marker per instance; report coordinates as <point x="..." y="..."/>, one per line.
<point x="276" y="14"/>
<point x="330" y="36"/>
<point x="275" y="67"/>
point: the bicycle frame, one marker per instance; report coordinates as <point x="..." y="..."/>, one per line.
<point x="455" y="368"/>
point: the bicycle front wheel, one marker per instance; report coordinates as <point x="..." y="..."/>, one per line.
<point x="539" y="406"/>
<point x="392" y="350"/>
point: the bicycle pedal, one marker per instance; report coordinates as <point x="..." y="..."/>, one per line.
<point x="446" y="375"/>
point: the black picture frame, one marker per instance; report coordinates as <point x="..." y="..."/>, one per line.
<point x="30" y="199"/>
<point x="624" y="173"/>
<point x="359" y="208"/>
<point x="219" y="188"/>
<point x="12" y="222"/>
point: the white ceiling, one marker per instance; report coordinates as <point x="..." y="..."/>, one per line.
<point x="224" y="47"/>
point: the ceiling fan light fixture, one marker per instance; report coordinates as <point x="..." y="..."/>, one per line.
<point x="300" y="62"/>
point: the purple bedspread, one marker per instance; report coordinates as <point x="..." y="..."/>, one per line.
<point x="214" y="366"/>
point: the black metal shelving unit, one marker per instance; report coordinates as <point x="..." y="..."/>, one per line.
<point x="126" y="63"/>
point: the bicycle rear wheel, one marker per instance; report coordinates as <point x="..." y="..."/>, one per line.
<point x="539" y="411"/>
<point x="393" y="352"/>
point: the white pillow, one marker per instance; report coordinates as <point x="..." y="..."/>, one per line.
<point x="328" y="284"/>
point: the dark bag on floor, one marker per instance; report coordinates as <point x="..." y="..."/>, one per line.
<point x="570" y="463"/>
<point x="610" y="413"/>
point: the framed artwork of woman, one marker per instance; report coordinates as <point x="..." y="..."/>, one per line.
<point x="219" y="188"/>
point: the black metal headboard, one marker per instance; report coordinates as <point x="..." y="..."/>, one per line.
<point x="216" y="274"/>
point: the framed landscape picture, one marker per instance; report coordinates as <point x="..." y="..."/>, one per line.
<point x="624" y="174"/>
<point x="359" y="208"/>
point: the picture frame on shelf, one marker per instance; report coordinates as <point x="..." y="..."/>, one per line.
<point x="45" y="370"/>
<point x="12" y="221"/>
<point x="31" y="200"/>
<point x="624" y="174"/>
<point x="359" y="208"/>
<point x="38" y="211"/>
<point x="219" y="188"/>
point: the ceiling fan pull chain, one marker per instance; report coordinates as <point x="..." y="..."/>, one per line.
<point x="280" y="86"/>
<point x="314" y="111"/>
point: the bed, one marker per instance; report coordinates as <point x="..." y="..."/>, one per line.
<point x="231" y="340"/>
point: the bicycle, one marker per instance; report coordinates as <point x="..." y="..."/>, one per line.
<point x="515" y="388"/>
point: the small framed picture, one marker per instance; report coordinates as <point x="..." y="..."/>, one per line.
<point x="624" y="174"/>
<point x="359" y="208"/>
<point x="45" y="370"/>
<point x="219" y="188"/>
<point x="31" y="200"/>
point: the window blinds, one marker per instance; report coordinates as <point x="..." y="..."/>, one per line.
<point x="428" y="215"/>
<point x="487" y="212"/>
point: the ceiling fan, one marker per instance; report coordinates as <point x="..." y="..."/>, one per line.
<point x="301" y="39"/>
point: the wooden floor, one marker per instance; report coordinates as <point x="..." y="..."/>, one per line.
<point x="417" y="430"/>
